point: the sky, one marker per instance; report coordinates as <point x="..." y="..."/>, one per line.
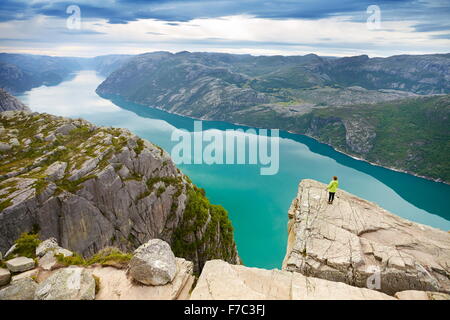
<point x="259" y="27"/>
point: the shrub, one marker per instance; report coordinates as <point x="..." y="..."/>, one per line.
<point x="26" y="245"/>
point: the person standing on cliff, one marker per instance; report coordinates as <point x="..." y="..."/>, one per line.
<point x="332" y="188"/>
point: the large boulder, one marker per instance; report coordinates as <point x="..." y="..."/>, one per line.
<point x="5" y="276"/>
<point x="357" y="242"/>
<point x="22" y="289"/>
<point x="153" y="263"/>
<point x="67" y="284"/>
<point x="20" y="264"/>
<point x="220" y="280"/>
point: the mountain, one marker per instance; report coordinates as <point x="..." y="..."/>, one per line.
<point x="354" y="104"/>
<point x="10" y="103"/>
<point x="22" y="72"/>
<point x="409" y="134"/>
<point x="92" y="187"/>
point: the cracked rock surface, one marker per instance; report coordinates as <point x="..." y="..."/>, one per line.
<point x="357" y="242"/>
<point x="222" y="281"/>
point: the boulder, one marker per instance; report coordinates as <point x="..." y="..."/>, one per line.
<point x="65" y="129"/>
<point x="5" y="146"/>
<point x="46" y="245"/>
<point x="20" y="264"/>
<point x="220" y="280"/>
<point x="116" y="285"/>
<point x="153" y="263"/>
<point x="48" y="261"/>
<point x="56" y="170"/>
<point x="5" y="276"/>
<point x="22" y="289"/>
<point x="357" y="242"/>
<point x="67" y="284"/>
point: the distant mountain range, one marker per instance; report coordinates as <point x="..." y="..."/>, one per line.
<point x="22" y="72"/>
<point x="391" y="111"/>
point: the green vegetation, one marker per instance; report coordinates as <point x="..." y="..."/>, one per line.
<point x="106" y="257"/>
<point x="140" y="146"/>
<point x="5" y="204"/>
<point x="73" y="186"/>
<point x="26" y="245"/>
<point x="412" y="134"/>
<point x="218" y="235"/>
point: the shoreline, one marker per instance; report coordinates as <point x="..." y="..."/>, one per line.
<point x="291" y="132"/>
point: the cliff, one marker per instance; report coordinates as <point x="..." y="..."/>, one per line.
<point x="10" y="103"/>
<point x="353" y="239"/>
<point x="92" y="187"/>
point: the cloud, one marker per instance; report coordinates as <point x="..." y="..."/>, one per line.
<point x="258" y="26"/>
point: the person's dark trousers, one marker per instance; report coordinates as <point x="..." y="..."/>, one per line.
<point x="330" y="196"/>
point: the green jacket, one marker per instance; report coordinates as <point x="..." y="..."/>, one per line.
<point x="332" y="187"/>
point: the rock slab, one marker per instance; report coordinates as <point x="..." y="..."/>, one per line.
<point x="67" y="284"/>
<point x="20" y="264"/>
<point x="222" y="281"/>
<point x="22" y="289"/>
<point x="357" y="242"/>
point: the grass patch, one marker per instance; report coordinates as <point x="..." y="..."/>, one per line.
<point x="5" y="204"/>
<point x="140" y="146"/>
<point x="109" y="256"/>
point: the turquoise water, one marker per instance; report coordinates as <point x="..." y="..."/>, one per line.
<point x="257" y="204"/>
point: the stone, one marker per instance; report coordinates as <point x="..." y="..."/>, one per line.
<point x="421" y="295"/>
<point x="64" y="252"/>
<point x="354" y="240"/>
<point x="56" y="170"/>
<point x="67" y="284"/>
<point x="23" y="289"/>
<point x="116" y="285"/>
<point x="153" y="263"/>
<point x="50" y="138"/>
<point x="220" y="280"/>
<point x="20" y="264"/>
<point x="48" y="261"/>
<point x="5" y="146"/>
<point x="14" y="142"/>
<point x="10" y="250"/>
<point x="5" y="276"/>
<point x="27" y="274"/>
<point x="45" y="246"/>
<point x="65" y="129"/>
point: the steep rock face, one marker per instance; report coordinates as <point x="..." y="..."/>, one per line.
<point x="92" y="187"/>
<point x="354" y="239"/>
<point x="222" y="281"/>
<point x="9" y="102"/>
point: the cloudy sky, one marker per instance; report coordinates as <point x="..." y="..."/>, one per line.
<point x="288" y="27"/>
